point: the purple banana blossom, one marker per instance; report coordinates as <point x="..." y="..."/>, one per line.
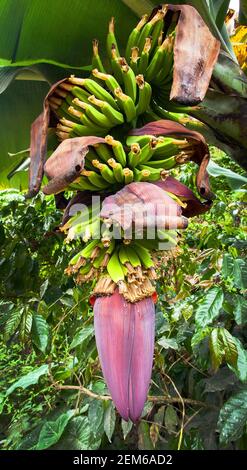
<point x="125" y="341"/>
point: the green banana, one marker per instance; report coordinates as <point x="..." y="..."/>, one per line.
<point x="87" y="251"/>
<point x="115" y="117"/>
<point x="147" y="151"/>
<point x="80" y="93"/>
<point x="75" y="259"/>
<point x="166" y="164"/>
<point x="144" y="255"/>
<point x="128" y="175"/>
<point x="122" y="254"/>
<point x="85" y="120"/>
<point x="92" y="230"/>
<point x="141" y="175"/>
<point x="126" y="103"/>
<point x="89" y="158"/>
<point x="111" y="247"/>
<point x="110" y="81"/>
<point x="62" y="128"/>
<point x="139" y="139"/>
<point x="157" y="35"/>
<point x="134" y="36"/>
<point x="95" y="179"/>
<point x="95" y="89"/>
<point x="114" y="268"/>
<point x="157" y="61"/>
<point x="105" y="171"/>
<point x="62" y="112"/>
<point x="133" y="256"/>
<point x="145" y="94"/>
<point x="111" y="39"/>
<point x="169" y="147"/>
<point x="103" y="151"/>
<point x="154" y="173"/>
<point x="164" y="73"/>
<point x="130" y="87"/>
<point x="116" y="67"/>
<point x="117" y="148"/>
<point x="94" y="115"/>
<point x="148" y="27"/>
<point x="82" y="183"/>
<point x="96" y="60"/>
<point x="98" y="261"/>
<point x="144" y="59"/>
<point x="117" y="170"/>
<point x="84" y="130"/>
<point x="134" y="155"/>
<point x="65" y="86"/>
<point x="85" y="269"/>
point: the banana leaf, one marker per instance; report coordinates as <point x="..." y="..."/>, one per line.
<point x="243" y="12"/>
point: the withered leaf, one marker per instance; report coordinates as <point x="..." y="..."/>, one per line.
<point x="196" y="52"/>
<point x="38" y="144"/>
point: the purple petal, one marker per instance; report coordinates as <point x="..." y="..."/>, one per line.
<point x="194" y="205"/>
<point x="125" y="341"/>
<point x="201" y="155"/>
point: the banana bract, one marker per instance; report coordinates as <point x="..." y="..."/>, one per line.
<point x="125" y="341"/>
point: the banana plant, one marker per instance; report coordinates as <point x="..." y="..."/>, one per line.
<point x="116" y="132"/>
<point x="26" y="72"/>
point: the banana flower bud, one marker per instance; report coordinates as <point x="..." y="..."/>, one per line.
<point x="125" y="340"/>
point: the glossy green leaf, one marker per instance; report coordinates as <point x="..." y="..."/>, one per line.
<point x="171" y="419"/>
<point x="210" y="306"/>
<point x="215" y="348"/>
<point x="61" y="32"/>
<point x="229" y="347"/>
<point x="95" y="416"/>
<point x="240" y="368"/>
<point x="109" y="420"/>
<point x="82" y="335"/>
<point x="51" y="431"/>
<point x="40" y="332"/>
<point x="28" y="379"/>
<point x="233" y="417"/>
<point x="144" y="440"/>
<point x="76" y="435"/>
<point x="234" y="180"/>
<point x="12" y="323"/>
<point x="222" y="346"/>
<point x="240" y="273"/>
<point x="240" y="310"/>
<point x="227" y="265"/>
<point x="167" y="343"/>
<point x="220" y="9"/>
<point x="126" y="427"/>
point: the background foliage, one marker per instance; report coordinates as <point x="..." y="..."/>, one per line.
<point x="198" y="393"/>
